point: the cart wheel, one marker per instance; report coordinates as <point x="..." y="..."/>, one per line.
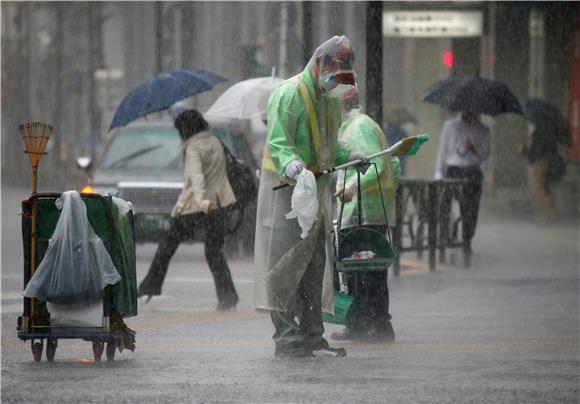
<point x="50" y="349"/>
<point x="111" y="347"/>
<point x="98" y="350"/>
<point x="36" y="350"/>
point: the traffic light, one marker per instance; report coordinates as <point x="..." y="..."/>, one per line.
<point x="448" y="59"/>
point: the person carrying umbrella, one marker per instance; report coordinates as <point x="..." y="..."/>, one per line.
<point x="303" y="120"/>
<point x="464" y="146"/>
<point x="546" y="128"/>
<point x="205" y="191"/>
<point x="359" y="131"/>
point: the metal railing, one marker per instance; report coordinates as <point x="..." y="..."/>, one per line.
<point x="425" y="221"/>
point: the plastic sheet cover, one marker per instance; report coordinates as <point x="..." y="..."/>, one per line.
<point x="76" y="266"/>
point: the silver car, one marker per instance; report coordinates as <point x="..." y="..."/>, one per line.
<point x="141" y="163"/>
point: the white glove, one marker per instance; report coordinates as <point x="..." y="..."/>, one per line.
<point x="365" y="162"/>
<point x="294" y="168"/>
<point x="348" y="194"/>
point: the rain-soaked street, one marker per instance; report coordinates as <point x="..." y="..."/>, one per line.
<point x="505" y="330"/>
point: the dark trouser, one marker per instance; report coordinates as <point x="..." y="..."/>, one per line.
<point x="469" y="200"/>
<point x="307" y="332"/>
<point x="181" y="228"/>
<point x="371" y="291"/>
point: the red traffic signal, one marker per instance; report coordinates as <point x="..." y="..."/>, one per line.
<point x="448" y="59"/>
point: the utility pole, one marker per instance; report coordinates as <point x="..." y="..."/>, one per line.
<point x="306" y="31"/>
<point x="283" y="56"/>
<point x="16" y="83"/>
<point x="158" y="36"/>
<point x="60" y="142"/>
<point x="537" y="53"/>
<point x="95" y="63"/>
<point x="374" y="42"/>
<point x="187" y="33"/>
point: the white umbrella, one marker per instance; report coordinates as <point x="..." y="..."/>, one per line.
<point x="246" y="99"/>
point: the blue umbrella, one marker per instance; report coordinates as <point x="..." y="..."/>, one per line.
<point x="162" y="91"/>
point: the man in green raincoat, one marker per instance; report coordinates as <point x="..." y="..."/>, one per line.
<point x="372" y="321"/>
<point x="303" y="120"/>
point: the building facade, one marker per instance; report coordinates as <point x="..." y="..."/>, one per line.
<point x="70" y="64"/>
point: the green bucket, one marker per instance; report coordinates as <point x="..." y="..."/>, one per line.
<point x="344" y="309"/>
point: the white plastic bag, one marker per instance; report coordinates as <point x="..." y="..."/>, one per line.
<point x="123" y="207"/>
<point x="76" y="266"/>
<point x="304" y="201"/>
<point x="76" y="315"/>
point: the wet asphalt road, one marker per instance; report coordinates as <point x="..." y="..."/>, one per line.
<point x="505" y="330"/>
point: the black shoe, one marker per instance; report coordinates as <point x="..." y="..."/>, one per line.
<point x="329" y="353"/>
<point x="347" y="334"/>
<point x="227" y="304"/>
<point x="293" y="352"/>
<point x="149" y="291"/>
<point x="382" y="334"/>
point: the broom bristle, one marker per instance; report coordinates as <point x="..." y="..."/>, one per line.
<point x="35" y="136"/>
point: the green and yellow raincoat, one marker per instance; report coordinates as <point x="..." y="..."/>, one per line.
<point x="360" y="132"/>
<point x="301" y="125"/>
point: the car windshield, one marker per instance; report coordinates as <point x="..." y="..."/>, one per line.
<point x="143" y="148"/>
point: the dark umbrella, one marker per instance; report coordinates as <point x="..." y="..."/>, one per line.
<point x="473" y="94"/>
<point x="545" y="115"/>
<point x="162" y="91"/>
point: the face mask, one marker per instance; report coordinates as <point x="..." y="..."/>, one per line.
<point x="340" y="90"/>
<point x="327" y="83"/>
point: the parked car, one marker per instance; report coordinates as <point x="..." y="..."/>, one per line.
<point x="141" y="163"/>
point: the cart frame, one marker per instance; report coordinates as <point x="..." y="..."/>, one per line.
<point x="34" y="324"/>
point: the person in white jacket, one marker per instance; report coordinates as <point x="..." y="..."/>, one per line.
<point x="206" y="190"/>
<point x="464" y="147"/>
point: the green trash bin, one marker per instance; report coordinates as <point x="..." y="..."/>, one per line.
<point x="114" y="229"/>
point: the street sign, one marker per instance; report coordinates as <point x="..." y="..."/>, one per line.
<point x="432" y="24"/>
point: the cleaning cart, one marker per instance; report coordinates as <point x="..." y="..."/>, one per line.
<point x="79" y="264"/>
<point x="101" y="321"/>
